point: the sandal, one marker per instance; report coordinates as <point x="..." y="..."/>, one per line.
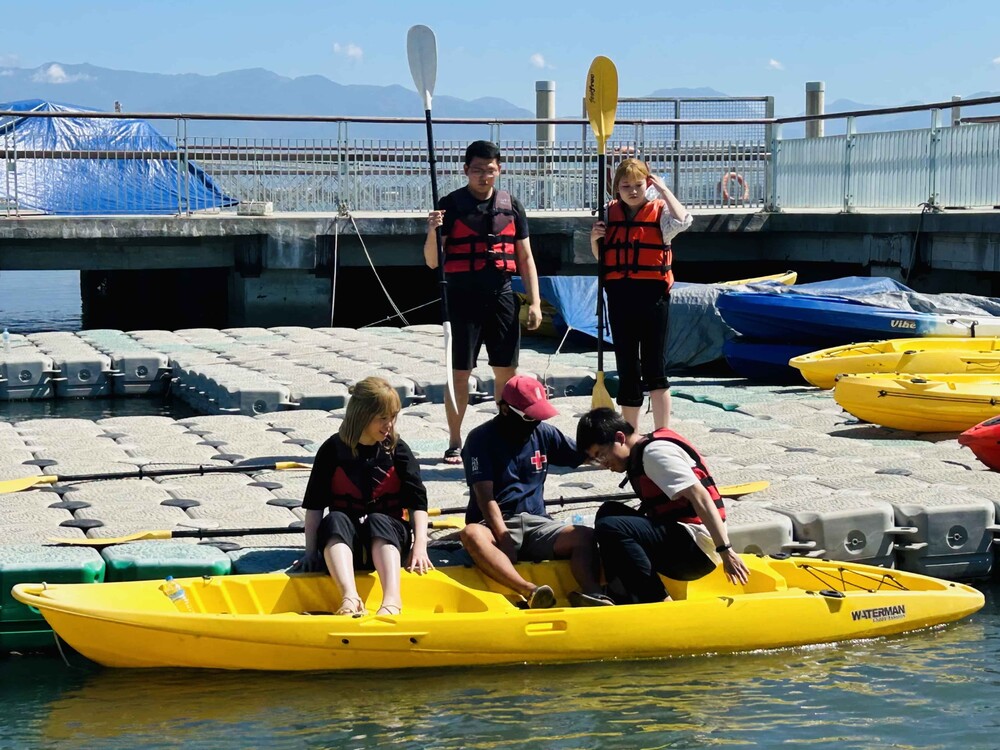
<point x="543" y="597"/>
<point x="453" y="456"/>
<point x="351" y="606"/>
<point x="388" y="610"/>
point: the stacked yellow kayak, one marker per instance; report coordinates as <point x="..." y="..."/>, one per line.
<point x="912" y="356"/>
<point x="921" y="403"/>
<point x="786" y="278"/>
<point x="456" y="617"/>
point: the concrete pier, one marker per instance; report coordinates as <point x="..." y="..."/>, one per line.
<point x="279" y="269"/>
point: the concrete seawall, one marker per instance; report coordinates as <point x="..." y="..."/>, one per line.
<point x="279" y="269"/>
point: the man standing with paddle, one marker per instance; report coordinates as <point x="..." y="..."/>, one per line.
<point x="485" y="237"/>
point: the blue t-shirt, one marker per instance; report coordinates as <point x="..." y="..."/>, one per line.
<point x="517" y="470"/>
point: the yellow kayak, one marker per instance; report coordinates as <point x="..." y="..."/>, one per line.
<point x="917" y="355"/>
<point x="455" y="617"/>
<point x="787" y="278"/>
<point x="920" y="403"/>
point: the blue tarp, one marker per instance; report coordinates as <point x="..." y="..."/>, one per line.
<point x="125" y="183"/>
<point x="851" y="287"/>
<point x="881" y="291"/>
<point x="697" y="331"/>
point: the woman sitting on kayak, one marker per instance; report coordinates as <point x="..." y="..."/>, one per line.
<point x="366" y="477"/>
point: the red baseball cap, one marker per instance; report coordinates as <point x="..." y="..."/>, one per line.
<point x="527" y="395"/>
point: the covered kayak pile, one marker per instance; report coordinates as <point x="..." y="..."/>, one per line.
<point x="940" y="371"/>
<point x="455" y="616"/>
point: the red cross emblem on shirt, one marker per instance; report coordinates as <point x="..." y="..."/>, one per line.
<point x="539" y="460"/>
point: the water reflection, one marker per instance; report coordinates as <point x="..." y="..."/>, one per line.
<point x="95" y="408"/>
<point x="928" y="689"/>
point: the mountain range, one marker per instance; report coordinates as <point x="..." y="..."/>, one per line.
<point x="259" y="91"/>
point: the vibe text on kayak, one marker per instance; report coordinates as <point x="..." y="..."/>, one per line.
<point x="903" y="324"/>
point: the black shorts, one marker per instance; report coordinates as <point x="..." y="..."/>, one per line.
<point x="483" y="311"/>
<point x="359" y="535"/>
<point x="639" y="313"/>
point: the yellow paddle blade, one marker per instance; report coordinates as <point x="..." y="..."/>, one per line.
<point x="600" y="398"/>
<point x="139" y="536"/>
<point x="445" y="523"/>
<point x="283" y="465"/>
<point x="601" y="97"/>
<point x="26" y="483"/>
<point x="747" y="488"/>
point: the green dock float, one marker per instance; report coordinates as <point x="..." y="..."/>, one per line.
<point x="143" y="561"/>
<point x="20" y="627"/>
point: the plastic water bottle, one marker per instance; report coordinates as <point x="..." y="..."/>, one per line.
<point x="176" y="594"/>
<point x="6" y="340"/>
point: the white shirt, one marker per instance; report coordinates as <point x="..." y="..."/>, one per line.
<point x="670" y="226"/>
<point x="671" y="469"/>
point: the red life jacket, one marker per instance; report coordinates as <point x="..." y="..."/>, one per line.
<point x="655" y="502"/>
<point x="634" y="248"/>
<point x="360" y="487"/>
<point x="470" y="247"/>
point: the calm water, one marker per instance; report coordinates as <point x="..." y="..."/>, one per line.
<point x="938" y="689"/>
<point x="32" y="301"/>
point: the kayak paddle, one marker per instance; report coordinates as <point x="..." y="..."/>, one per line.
<point x="602" y="104"/>
<point x="731" y="490"/>
<point x="26" y="483"/>
<point x="159" y="534"/>
<point x="421" y="51"/>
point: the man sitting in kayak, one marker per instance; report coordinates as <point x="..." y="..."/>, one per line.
<point x="506" y="462"/>
<point x="680" y="527"/>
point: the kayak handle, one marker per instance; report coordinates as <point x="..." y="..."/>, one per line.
<point x="800" y="545"/>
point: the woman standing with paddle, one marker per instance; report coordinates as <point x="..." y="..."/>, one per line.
<point x="634" y="249"/>
<point x="366" y="477"/>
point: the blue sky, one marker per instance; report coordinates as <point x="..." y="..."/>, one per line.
<point x="879" y="51"/>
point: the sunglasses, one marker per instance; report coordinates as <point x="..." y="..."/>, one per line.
<point x="601" y="456"/>
<point x="521" y="414"/>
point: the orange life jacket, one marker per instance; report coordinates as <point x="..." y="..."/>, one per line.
<point x="655" y="503"/>
<point x="360" y="487"/>
<point x="470" y="247"/>
<point x="634" y="248"/>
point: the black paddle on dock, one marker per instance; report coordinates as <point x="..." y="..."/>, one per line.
<point x="40" y="480"/>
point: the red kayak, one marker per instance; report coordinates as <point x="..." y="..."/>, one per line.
<point x="984" y="441"/>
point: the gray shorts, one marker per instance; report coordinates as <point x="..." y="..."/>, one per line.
<point x="534" y="536"/>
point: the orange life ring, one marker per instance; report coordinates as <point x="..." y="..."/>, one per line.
<point x="739" y="181"/>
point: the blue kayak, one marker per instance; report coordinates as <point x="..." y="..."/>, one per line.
<point x="765" y="362"/>
<point x="825" y="320"/>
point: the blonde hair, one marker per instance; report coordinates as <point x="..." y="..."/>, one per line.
<point x="370" y="398"/>
<point x="634" y="168"/>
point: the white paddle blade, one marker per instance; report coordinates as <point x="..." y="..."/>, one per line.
<point x="421" y="50"/>
<point x="449" y="365"/>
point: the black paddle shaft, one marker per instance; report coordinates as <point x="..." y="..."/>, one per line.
<point x="601" y="188"/>
<point x="141" y="473"/>
<point x="209" y="533"/>
<point x="559" y="502"/>
<point x="432" y="162"/>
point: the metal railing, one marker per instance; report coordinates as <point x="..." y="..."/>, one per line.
<point x="191" y="173"/>
<point x="939" y="166"/>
